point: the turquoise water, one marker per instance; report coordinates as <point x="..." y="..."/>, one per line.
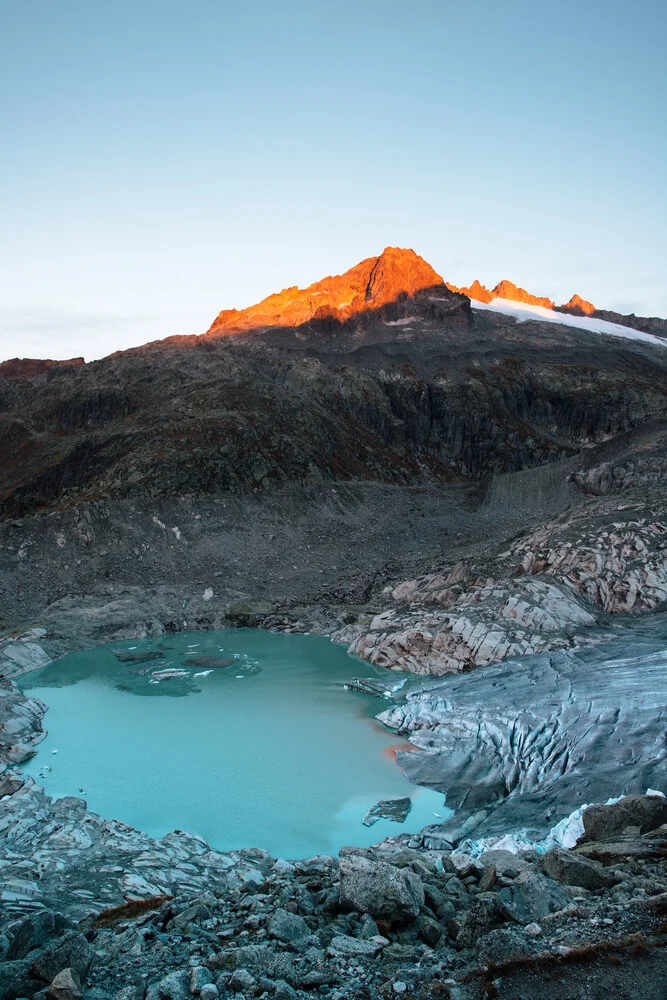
<point x="269" y="752"/>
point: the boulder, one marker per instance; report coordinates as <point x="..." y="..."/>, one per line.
<point x="199" y="976"/>
<point x="284" y="991"/>
<point x="175" y="986"/>
<point x="66" y="986"/>
<point x="505" y="944"/>
<point x="127" y="993"/>
<point x="242" y="981"/>
<point x="608" y="822"/>
<point x="504" y="862"/>
<point x="30" y="932"/>
<point x="570" y="869"/>
<point x="483" y="915"/>
<point x="343" y="944"/>
<point x="209" y="991"/>
<point x="531" y="897"/>
<point x="374" y="887"/>
<point x="15" y="980"/>
<point x="72" y="951"/>
<point x="288" y="927"/>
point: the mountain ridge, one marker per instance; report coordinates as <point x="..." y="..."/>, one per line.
<point x="375" y="284"/>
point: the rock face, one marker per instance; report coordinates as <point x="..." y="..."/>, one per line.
<point x="503" y="290"/>
<point x="482" y="626"/>
<point x="621" y="567"/>
<point x="28" y="367"/>
<point x="372" y="283"/>
<point x="475" y="291"/>
<point x="508" y="290"/>
<point x="578" y="307"/>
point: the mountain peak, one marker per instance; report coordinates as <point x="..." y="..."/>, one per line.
<point x="368" y="285"/>
<point x="578" y="306"/>
<point x="508" y="290"/>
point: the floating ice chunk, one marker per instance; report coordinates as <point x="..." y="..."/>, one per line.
<point x="54" y="751"/>
<point x="203" y="673"/>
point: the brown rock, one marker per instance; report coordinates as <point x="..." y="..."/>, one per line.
<point x="607" y="822"/>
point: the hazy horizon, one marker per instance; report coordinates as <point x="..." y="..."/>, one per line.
<point x="166" y="161"/>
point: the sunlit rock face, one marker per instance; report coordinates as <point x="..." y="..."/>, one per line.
<point x="508" y="290"/>
<point x="578" y="306"/>
<point x="475" y="291"/>
<point x="372" y="283"/>
<point x="503" y="290"/>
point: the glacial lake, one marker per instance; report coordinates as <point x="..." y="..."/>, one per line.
<point x="271" y="751"/>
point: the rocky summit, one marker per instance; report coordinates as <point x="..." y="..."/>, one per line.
<point x="476" y="504"/>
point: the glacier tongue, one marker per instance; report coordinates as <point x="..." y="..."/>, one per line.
<point x="520" y="745"/>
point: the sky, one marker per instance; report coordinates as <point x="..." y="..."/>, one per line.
<point x="165" y="159"/>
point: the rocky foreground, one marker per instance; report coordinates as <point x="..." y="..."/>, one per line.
<point x="95" y="909"/>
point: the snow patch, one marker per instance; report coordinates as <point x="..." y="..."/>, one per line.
<point x="400" y="322"/>
<point x="523" y="312"/>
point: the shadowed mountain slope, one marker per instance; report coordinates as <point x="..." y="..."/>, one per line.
<point x="411" y="388"/>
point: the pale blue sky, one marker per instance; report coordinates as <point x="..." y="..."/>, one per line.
<point x="164" y="159"/>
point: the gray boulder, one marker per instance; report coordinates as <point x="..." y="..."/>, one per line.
<point x="505" y="944"/>
<point x="209" y="991"/>
<point x="199" y="976"/>
<point x="175" y="986"/>
<point x="288" y="927"/>
<point x="343" y="944"/>
<point x="570" y="869"/>
<point x="241" y="982"/>
<point x="483" y="914"/>
<point x="504" y="862"/>
<point x="127" y="993"/>
<point x="15" y="980"/>
<point x="374" y="887"/>
<point x="29" y="932"/>
<point x="66" y="986"/>
<point x="607" y="822"/>
<point x="71" y="951"/>
<point x="531" y="897"/>
<point x="284" y="991"/>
